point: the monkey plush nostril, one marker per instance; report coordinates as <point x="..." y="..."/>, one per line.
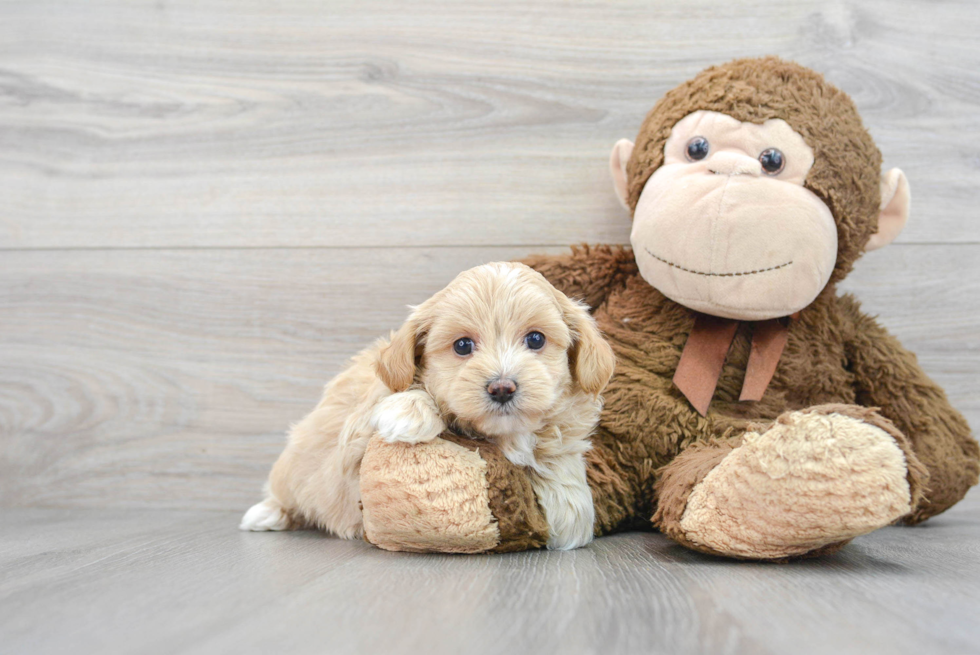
<point x="502" y="390"/>
<point x="730" y="163"/>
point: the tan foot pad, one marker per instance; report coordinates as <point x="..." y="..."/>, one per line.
<point x="427" y="497"/>
<point x="810" y="480"/>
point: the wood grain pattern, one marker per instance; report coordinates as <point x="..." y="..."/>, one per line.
<point x="124" y="581"/>
<point x="249" y="124"/>
<point x="168" y="378"/>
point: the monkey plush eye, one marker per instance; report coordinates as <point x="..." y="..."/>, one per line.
<point x="534" y="340"/>
<point x="697" y="148"/>
<point x="463" y="347"/>
<point x="772" y="161"/>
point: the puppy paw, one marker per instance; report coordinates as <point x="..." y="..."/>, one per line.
<point x="266" y="516"/>
<point x="563" y="492"/>
<point x="408" y="417"/>
<point x="571" y="526"/>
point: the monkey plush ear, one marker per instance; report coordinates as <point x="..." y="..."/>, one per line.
<point x="895" y="199"/>
<point x="618" y="159"/>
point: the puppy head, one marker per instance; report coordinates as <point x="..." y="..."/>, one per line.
<point x="497" y="348"/>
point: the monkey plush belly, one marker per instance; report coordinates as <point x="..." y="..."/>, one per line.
<point x="648" y="333"/>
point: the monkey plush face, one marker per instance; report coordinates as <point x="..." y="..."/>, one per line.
<point x="725" y="225"/>
<point x="753" y="187"/>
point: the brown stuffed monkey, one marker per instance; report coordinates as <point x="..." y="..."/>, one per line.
<point x="754" y="412"/>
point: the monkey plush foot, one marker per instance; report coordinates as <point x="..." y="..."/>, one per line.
<point x="811" y="482"/>
<point x="449" y="495"/>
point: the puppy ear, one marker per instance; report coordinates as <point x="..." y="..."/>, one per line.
<point x="591" y="358"/>
<point x="396" y="364"/>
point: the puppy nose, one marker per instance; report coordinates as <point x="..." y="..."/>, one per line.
<point x="502" y="390"/>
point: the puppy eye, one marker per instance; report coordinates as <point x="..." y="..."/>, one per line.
<point x="772" y="161"/>
<point x="697" y="148"/>
<point x="463" y="347"/>
<point x="534" y="341"/>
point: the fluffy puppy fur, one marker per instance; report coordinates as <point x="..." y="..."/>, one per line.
<point x="414" y="385"/>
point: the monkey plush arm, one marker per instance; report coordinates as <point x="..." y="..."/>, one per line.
<point x="588" y="273"/>
<point x="448" y="495"/>
<point x="889" y="377"/>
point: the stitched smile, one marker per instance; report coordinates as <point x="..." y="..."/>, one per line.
<point x="687" y="270"/>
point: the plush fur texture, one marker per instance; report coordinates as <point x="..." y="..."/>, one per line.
<point x="814" y="478"/>
<point x="453" y="495"/>
<point x="850" y="434"/>
<point x="408" y="390"/>
<point x="443" y="483"/>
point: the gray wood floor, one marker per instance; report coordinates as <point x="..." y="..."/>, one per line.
<point x="182" y="581"/>
<point x="207" y="206"/>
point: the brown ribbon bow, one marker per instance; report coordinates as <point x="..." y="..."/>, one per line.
<point x="707" y="347"/>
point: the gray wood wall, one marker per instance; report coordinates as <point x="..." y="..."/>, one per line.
<point x="206" y="206"/>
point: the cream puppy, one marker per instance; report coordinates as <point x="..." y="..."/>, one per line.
<point x="499" y="354"/>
